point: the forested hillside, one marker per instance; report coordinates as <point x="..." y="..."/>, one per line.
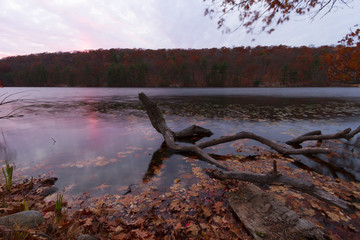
<point x="226" y="67"/>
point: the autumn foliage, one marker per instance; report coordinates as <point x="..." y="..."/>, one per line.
<point x="267" y="14"/>
<point x="264" y="15"/>
<point x="344" y="63"/>
<point x="272" y="66"/>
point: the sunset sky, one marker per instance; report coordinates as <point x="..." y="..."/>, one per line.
<point x="36" y="26"/>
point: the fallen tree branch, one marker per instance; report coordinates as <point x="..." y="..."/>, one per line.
<point x="271" y="144"/>
<point x="274" y="179"/>
<point x="158" y="121"/>
<point x="297" y="225"/>
<point x="316" y="135"/>
<point x="353" y="133"/>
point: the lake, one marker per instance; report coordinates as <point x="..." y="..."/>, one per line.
<point x="99" y="140"/>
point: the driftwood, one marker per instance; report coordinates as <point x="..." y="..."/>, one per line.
<point x="271" y="144"/>
<point x="275" y="178"/>
<point x="316" y="135"/>
<point x="298" y="226"/>
<point x="159" y="123"/>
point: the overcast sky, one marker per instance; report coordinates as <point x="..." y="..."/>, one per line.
<point x="36" y="26"/>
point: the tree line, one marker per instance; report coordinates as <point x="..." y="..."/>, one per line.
<point x="271" y="66"/>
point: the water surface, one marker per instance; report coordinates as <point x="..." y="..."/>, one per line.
<point x="99" y="139"/>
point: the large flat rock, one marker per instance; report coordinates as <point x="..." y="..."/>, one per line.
<point x="266" y="217"/>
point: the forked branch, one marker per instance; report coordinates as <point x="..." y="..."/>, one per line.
<point x="159" y="123"/>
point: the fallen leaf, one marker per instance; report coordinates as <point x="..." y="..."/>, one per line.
<point x="102" y="187"/>
<point x="192" y="229"/>
<point x="119" y="236"/>
<point x="218" y="207"/>
<point x="141" y="233"/>
<point x="88" y="222"/>
<point x="309" y="212"/>
<point x="49" y="215"/>
<point x="333" y="216"/>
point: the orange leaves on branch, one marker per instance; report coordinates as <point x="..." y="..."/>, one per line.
<point x="352" y="38"/>
<point x="344" y="62"/>
<point x="269" y="11"/>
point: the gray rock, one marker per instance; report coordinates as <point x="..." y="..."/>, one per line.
<point x="50" y="181"/>
<point x="26" y="219"/>
<point x="50" y="190"/>
<point x="86" y="237"/>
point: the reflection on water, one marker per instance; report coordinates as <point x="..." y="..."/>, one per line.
<point x="98" y="139"/>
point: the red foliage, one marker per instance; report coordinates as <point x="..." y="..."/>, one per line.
<point x="225" y="67"/>
<point x="344" y="62"/>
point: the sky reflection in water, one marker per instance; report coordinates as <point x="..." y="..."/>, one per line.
<point x="98" y="140"/>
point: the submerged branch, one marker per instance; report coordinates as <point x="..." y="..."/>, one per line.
<point x="10" y="114"/>
<point x="5" y="100"/>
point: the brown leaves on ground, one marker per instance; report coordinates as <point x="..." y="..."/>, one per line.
<point x="192" y="207"/>
<point x="336" y="223"/>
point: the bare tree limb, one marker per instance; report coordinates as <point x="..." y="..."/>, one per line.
<point x="353" y="133"/>
<point x="316" y="135"/>
<point x="271" y="144"/>
<point x="158" y="121"/>
<point x="295" y="183"/>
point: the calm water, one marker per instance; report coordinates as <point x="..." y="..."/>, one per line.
<point x="90" y="137"/>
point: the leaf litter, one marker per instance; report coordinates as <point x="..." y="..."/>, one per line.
<point x="192" y="207"/>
